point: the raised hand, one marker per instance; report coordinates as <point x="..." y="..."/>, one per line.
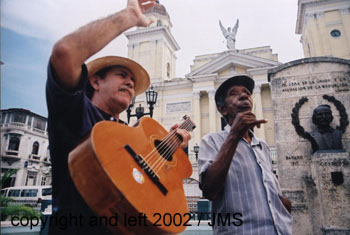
<point x="137" y="8"/>
<point x="185" y="135"/>
<point x="245" y="121"/>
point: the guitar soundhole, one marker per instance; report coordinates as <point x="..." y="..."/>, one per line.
<point x="164" y="150"/>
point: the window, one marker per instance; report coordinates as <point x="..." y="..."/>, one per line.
<point x="35" y="149"/>
<point x="14" y="143"/>
<point x="47" y="191"/>
<point x="335" y="33"/>
<point x="18" y="117"/>
<point x="29" y="193"/>
<point x="43" y="181"/>
<point x="14" y="193"/>
<point x="30" y="120"/>
<point x="31" y="178"/>
<point x="2" y="120"/>
<point x="39" y="123"/>
<point x="168" y="70"/>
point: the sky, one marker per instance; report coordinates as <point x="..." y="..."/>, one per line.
<point x="30" y="28"/>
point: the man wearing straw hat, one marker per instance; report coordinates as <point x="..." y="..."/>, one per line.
<point x="79" y="96"/>
<point x="236" y="171"/>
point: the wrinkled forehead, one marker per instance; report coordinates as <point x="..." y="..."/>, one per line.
<point x="238" y="89"/>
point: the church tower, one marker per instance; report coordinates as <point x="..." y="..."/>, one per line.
<point x="324" y="27"/>
<point x="154" y="47"/>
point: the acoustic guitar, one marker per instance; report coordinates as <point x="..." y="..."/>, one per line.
<point x="132" y="177"/>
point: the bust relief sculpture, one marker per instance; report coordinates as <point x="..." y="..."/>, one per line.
<point x="323" y="137"/>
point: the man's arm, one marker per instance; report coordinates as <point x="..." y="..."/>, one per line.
<point x="213" y="180"/>
<point x="73" y="50"/>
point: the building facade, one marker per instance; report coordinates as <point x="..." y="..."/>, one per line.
<point x="154" y="47"/>
<point x="324" y="27"/>
<point x="25" y="146"/>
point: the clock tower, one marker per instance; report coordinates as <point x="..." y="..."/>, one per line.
<point x="154" y="47"/>
<point x="324" y="27"/>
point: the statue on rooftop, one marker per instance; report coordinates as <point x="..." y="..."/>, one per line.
<point x="230" y="35"/>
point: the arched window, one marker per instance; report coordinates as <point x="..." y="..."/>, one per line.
<point x="14" y="143"/>
<point x="168" y="70"/>
<point x="35" y="149"/>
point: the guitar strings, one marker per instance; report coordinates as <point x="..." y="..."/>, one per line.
<point x="171" y="138"/>
<point x="161" y="146"/>
<point x="170" y="145"/>
<point x="170" y="151"/>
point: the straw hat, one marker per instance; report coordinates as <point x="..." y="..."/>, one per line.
<point x="142" y="80"/>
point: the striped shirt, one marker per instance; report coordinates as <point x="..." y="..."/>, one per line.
<point x="251" y="189"/>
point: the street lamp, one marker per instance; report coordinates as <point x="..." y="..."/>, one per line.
<point x="151" y="98"/>
<point x="196" y="150"/>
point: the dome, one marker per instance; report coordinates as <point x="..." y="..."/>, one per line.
<point x="158" y="8"/>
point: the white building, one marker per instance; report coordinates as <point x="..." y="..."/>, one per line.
<point x="25" y="146"/>
<point x="154" y="47"/>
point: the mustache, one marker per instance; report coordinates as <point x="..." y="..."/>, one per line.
<point x="126" y="88"/>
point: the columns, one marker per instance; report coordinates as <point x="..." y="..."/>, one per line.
<point x="212" y="111"/>
<point x="197" y="116"/>
<point x="258" y="108"/>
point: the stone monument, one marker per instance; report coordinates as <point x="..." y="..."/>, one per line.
<point x="311" y="102"/>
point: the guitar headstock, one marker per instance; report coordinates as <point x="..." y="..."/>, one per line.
<point x="188" y="124"/>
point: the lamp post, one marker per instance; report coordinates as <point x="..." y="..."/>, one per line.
<point x="196" y="150"/>
<point x="151" y="98"/>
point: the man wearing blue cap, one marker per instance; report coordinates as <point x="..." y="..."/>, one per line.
<point x="235" y="169"/>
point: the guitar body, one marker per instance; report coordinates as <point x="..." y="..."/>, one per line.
<point x="114" y="184"/>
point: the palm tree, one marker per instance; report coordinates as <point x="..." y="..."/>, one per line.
<point x="7" y="209"/>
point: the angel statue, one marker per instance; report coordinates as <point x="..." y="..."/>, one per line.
<point x="230" y="35"/>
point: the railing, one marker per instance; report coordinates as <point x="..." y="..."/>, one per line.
<point x="22" y="125"/>
<point x="17" y="124"/>
<point x="34" y="157"/>
<point x="38" y="130"/>
<point x="11" y="154"/>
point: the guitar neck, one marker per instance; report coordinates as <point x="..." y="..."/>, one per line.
<point x="175" y="139"/>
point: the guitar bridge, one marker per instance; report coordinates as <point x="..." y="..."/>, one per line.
<point x="146" y="168"/>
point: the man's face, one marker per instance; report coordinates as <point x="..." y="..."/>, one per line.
<point x="238" y="99"/>
<point x="323" y="116"/>
<point x="116" y="90"/>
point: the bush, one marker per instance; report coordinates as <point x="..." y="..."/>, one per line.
<point x="18" y="210"/>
